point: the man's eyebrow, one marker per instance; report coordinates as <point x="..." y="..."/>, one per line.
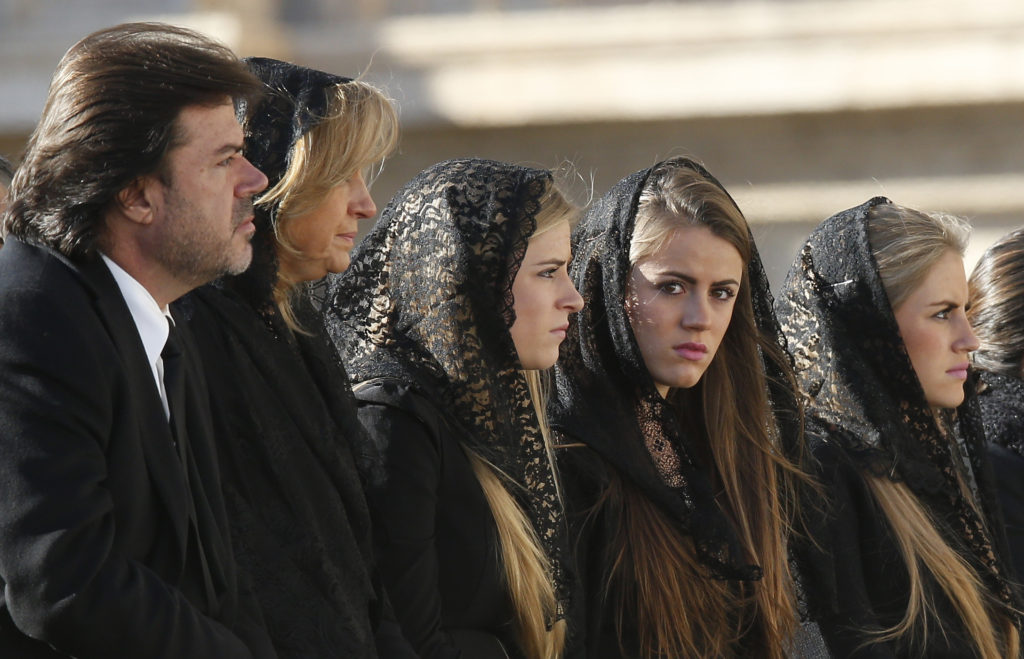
<point x="233" y="147"/>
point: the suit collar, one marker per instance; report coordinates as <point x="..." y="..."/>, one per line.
<point x="162" y="461"/>
<point x="150" y="320"/>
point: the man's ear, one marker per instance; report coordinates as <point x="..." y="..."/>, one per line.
<point x="135" y="200"/>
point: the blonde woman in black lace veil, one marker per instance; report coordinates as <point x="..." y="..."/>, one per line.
<point x="677" y="413"/>
<point x="906" y="553"/>
<point x="289" y="438"/>
<point x="454" y="303"/>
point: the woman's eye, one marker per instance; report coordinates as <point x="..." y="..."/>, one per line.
<point x="672" y="288"/>
<point x="944" y="314"/>
<point x="549" y="273"/>
<point x="723" y="293"/>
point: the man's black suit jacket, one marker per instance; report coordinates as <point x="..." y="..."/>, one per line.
<point x="98" y="515"/>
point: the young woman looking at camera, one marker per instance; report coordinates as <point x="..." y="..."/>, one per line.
<point x="677" y="412"/>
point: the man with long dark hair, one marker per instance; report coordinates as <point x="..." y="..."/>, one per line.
<point x="133" y="190"/>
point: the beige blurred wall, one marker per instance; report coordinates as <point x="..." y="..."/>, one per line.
<point x="801" y="107"/>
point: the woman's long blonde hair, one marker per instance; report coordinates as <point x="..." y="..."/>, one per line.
<point x="359" y="131"/>
<point x="925" y="552"/>
<point x="528" y="572"/>
<point x="905" y="244"/>
<point x="655" y="577"/>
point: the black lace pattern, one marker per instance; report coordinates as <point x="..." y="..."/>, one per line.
<point x="1002" y="405"/>
<point x="427" y="299"/>
<point x="294" y="100"/>
<point x="863" y="393"/>
<point x="607" y="399"/>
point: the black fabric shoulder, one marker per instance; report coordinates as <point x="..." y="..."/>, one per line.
<point x="585" y="477"/>
<point x="289" y="455"/>
<point x="403" y="396"/>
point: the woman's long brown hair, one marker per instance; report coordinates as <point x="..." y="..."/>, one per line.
<point x="678" y="608"/>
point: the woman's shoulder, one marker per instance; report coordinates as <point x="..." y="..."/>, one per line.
<point x="216" y="315"/>
<point x="840" y="474"/>
<point x="397" y="394"/>
<point x="581" y="468"/>
<point x="400" y="407"/>
<point x="829" y="447"/>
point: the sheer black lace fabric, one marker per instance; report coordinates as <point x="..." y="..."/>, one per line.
<point x="294" y="100"/>
<point x="427" y="300"/>
<point x="863" y="393"/>
<point x="1002" y="407"/>
<point x="606" y="398"/>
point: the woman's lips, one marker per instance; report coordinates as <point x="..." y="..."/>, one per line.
<point x="560" y="332"/>
<point x="959" y="371"/>
<point x="693" y="352"/>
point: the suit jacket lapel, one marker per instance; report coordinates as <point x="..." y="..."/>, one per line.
<point x="200" y="459"/>
<point x="162" y="461"/>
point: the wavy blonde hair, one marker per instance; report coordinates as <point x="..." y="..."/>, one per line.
<point x="906" y="243"/>
<point x="358" y="132"/>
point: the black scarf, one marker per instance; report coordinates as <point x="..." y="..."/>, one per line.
<point x="428" y="299"/>
<point x="863" y="391"/>
<point x="300" y="522"/>
<point x="607" y="399"/>
<point x="295" y="99"/>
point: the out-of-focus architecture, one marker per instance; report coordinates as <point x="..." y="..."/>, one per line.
<point x="801" y="107"/>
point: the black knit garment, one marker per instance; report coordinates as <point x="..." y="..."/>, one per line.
<point x="287" y="418"/>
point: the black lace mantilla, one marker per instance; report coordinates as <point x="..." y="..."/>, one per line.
<point x="294" y="100"/>
<point x="607" y="399"/>
<point x="862" y="390"/>
<point x="427" y="300"/>
<point x="1002" y="407"/>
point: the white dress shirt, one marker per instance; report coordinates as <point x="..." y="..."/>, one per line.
<point x="150" y="320"/>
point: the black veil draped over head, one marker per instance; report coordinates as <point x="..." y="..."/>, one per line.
<point x="427" y="300"/>
<point x="295" y="99"/>
<point x="282" y="402"/>
<point x="864" y="394"/>
<point x="607" y="399"/>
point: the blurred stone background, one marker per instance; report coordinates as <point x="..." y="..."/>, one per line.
<point x="801" y="107"/>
